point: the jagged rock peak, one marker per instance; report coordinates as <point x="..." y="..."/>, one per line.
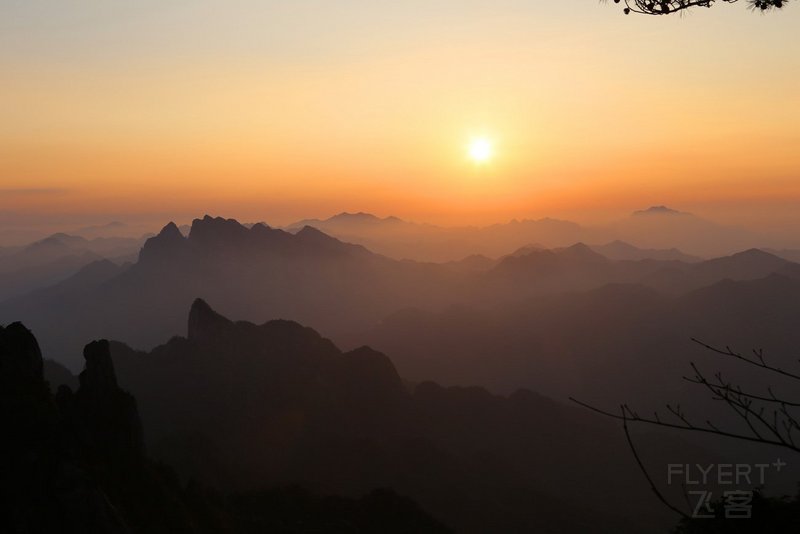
<point x="217" y="229"/>
<point x="204" y="323"/>
<point x="168" y="241"/>
<point x="98" y="375"/>
<point x="171" y="230"/>
<point x="20" y="357"/>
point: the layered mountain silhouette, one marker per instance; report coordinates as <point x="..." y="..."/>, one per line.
<point x="401" y="239"/>
<point x="580" y="267"/>
<point x="657" y="210"/>
<point x="76" y="462"/>
<point x="235" y="403"/>
<point x="251" y="272"/>
<point x="56" y="258"/>
<point x="311" y="277"/>
<point x="657" y="231"/>
<point x="243" y="406"/>
<point x="620" y="250"/>
<point x="589" y="344"/>
<point x="661" y="227"/>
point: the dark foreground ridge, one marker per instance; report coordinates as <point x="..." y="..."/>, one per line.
<point x="76" y="462"/>
<point x="239" y="405"/>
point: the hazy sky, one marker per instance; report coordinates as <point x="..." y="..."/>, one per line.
<point x="281" y="110"/>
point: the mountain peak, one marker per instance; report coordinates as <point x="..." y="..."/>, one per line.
<point x="360" y="218"/>
<point x="166" y="243"/>
<point x="217" y="230"/>
<point x="756" y="253"/>
<point x="170" y="231"/>
<point x="621" y="245"/>
<point x="752" y="256"/>
<point x="528" y="249"/>
<point x="260" y="227"/>
<point x="581" y="251"/>
<point x="60" y="240"/>
<point x="20" y="358"/>
<point x="204" y="323"/>
<point x="314" y="240"/>
<point x="308" y="231"/>
<point x="658" y="210"/>
<point x="358" y="215"/>
<point x="99" y="372"/>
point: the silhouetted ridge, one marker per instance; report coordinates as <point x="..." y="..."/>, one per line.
<point x="622" y="250"/>
<point x="171" y="231"/>
<point x="310" y="234"/>
<point x="20" y="358"/>
<point x="97" y="269"/>
<point x="99" y="372"/>
<point x="260" y="227"/>
<point x="359" y="216"/>
<point x="752" y="263"/>
<point x="312" y="240"/>
<point x="365" y="369"/>
<point x="217" y="231"/>
<point x="279" y="402"/>
<point x="205" y="324"/>
<point x="76" y="463"/>
<point x="349" y="220"/>
<point x="530" y="261"/>
<point x="108" y="416"/>
<point x="168" y="243"/>
<point x="658" y="210"/>
<point x="758" y="255"/>
<point x="231" y="241"/>
<point x="582" y="252"/>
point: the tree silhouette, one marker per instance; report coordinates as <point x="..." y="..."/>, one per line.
<point x="767" y="418"/>
<point x="667" y="7"/>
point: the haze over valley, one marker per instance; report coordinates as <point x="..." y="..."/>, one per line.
<point x="399" y="268"/>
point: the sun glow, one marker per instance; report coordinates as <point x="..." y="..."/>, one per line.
<point x="480" y="150"/>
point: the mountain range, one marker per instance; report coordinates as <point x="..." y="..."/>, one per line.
<point x="657" y="227"/>
<point x="56" y="258"/>
<point x="234" y="404"/>
<point x="310" y="277"/>
<point x="75" y="461"/>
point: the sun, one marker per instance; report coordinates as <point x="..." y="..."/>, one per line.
<point x="480" y="150"/>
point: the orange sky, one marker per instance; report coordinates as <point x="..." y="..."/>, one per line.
<point x="276" y="112"/>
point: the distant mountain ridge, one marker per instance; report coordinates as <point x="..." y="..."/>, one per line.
<point x="346" y="218"/>
<point x="309" y="276"/>
<point x="401" y="239"/>
<point x="620" y="250"/>
<point x="215" y="235"/>
<point x="56" y="258"/>
<point x="658" y="210"/>
<point x="656" y="230"/>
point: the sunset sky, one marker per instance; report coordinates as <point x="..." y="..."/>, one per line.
<point x="283" y="110"/>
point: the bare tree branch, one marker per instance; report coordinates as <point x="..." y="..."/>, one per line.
<point x="690" y="427"/>
<point x="644" y="469"/>
<point x="758" y="362"/>
<point x="667" y="7"/>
